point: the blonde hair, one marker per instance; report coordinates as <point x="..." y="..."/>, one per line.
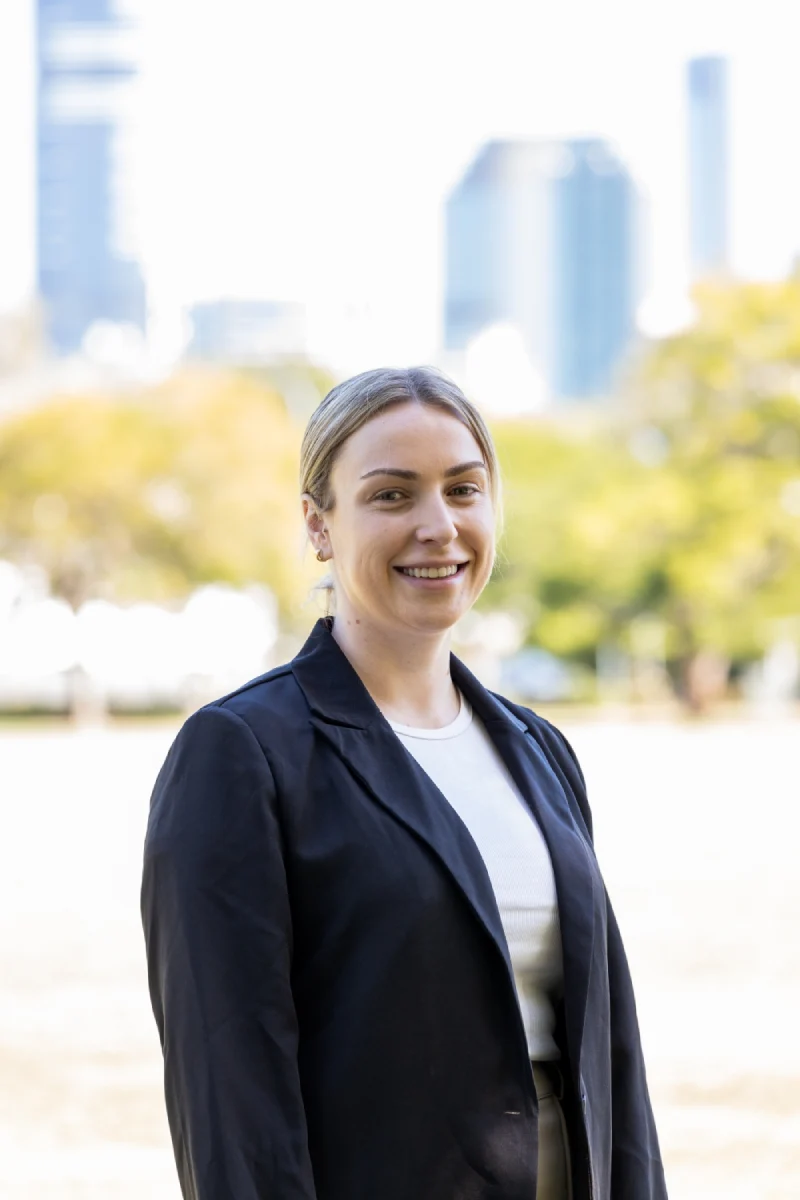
<point x="352" y="403"/>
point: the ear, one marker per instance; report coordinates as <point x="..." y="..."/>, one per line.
<point x="314" y="522"/>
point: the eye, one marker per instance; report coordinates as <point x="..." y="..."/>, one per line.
<point x="465" y="489"/>
<point x="390" y="495"/>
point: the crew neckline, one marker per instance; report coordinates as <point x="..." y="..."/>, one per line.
<point x="456" y="726"/>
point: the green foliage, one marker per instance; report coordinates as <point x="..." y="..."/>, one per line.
<point x="147" y="497"/>
<point x="684" y="506"/>
<point x="724" y="397"/>
<point x="677" y="511"/>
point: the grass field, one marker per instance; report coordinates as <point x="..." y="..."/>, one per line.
<point x="697" y="828"/>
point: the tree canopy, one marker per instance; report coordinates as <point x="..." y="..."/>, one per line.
<point x="151" y="495"/>
<point x="677" y="503"/>
<point x="682" y="505"/>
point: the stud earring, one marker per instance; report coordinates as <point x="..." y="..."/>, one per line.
<point x="320" y="556"/>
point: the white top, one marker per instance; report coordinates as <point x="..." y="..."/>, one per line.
<point x="462" y="761"/>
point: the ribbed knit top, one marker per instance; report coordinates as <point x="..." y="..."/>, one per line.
<point x="462" y="761"/>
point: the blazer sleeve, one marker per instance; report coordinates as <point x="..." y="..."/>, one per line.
<point x="217" y="926"/>
<point x="636" y="1165"/>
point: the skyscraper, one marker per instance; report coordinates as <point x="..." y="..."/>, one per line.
<point x="86" y="265"/>
<point x="594" y="277"/>
<point x="707" y="83"/>
<point x="540" y="235"/>
<point x="498" y="253"/>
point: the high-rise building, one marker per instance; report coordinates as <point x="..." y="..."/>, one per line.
<point x="498" y="253"/>
<point x="707" y="84"/>
<point x="541" y="236"/>
<point x="86" y="264"/>
<point x="595" y="272"/>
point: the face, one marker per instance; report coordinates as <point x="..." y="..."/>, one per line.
<point x="411" y="500"/>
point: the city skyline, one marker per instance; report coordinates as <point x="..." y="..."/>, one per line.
<point x="338" y="202"/>
<point x="542" y="236"/>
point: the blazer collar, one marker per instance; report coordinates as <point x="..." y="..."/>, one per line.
<point x="336" y="694"/>
<point x="330" y="683"/>
<point x="345" y="714"/>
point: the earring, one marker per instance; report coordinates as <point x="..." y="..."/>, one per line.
<point x="320" y="556"/>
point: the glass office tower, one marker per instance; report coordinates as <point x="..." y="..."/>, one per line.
<point x="541" y="235"/>
<point x="86" y="264"/>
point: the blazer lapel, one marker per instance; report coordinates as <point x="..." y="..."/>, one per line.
<point x="345" y="715"/>
<point x="579" y="886"/>
<point x="381" y="763"/>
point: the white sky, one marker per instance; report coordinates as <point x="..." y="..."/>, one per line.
<point x="303" y="150"/>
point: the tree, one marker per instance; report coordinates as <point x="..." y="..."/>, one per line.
<point x="147" y="497"/>
<point x="681" y="506"/>
<point x="722" y="401"/>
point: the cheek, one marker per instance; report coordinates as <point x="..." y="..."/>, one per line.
<point x="384" y="537"/>
<point x="482" y="533"/>
<point x="376" y="544"/>
<point x="487" y="550"/>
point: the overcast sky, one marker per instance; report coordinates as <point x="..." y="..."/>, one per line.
<point x="303" y="150"/>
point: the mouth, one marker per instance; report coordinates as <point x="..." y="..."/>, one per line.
<point x="434" y="573"/>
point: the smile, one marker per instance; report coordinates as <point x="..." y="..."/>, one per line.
<point x="431" y="572"/>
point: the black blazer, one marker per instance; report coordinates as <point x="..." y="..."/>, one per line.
<point x="328" y="969"/>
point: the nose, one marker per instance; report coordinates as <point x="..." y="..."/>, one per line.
<point x="436" y="522"/>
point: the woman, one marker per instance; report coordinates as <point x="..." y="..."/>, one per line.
<point x="382" y="961"/>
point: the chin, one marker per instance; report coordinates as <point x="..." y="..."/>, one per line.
<point x="433" y="622"/>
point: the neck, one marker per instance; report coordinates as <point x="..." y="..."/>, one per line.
<point x="407" y="675"/>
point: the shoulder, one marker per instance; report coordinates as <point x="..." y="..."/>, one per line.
<point x="558" y="751"/>
<point x="260" y="720"/>
<point x="237" y="746"/>
<point x="271" y="706"/>
<point x="270" y="701"/>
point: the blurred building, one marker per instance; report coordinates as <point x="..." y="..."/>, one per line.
<point x="595" y="272"/>
<point x="707" y="86"/>
<point x="247" y="331"/>
<point x="87" y="68"/>
<point x="541" y="235"/>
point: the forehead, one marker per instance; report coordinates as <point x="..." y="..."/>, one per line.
<point x="410" y="436"/>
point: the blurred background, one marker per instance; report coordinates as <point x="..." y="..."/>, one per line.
<point x="587" y="214"/>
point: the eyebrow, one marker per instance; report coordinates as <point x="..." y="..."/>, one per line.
<point x="401" y="474"/>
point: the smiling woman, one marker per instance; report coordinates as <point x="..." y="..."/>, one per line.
<point x="351" y="438"/>
<point x="382" y="960"/>
<point x="409" y="529"/>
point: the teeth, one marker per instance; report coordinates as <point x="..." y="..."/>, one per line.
<point x="429" y="572"/>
